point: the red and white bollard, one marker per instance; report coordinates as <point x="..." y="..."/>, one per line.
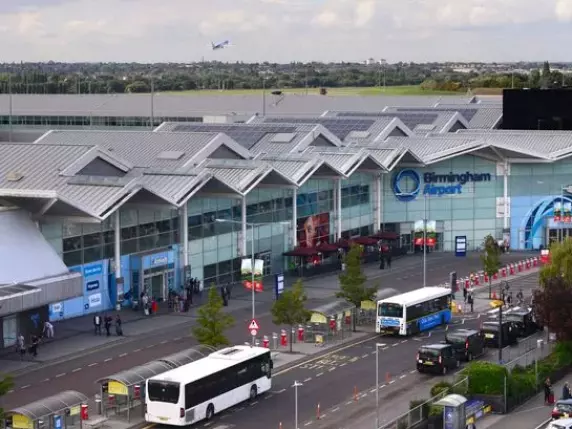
<point x="496" y="276"/>
<point x="476" y="280"/>
<point x="535" y="262"/>
<point x="283" y="338"/>
<point x="503" y="272"/>
<point x="266" y="342"/>
<point x="84" y="412"/>
<point x="519" y="266"/>
<point x="486" y="278"/>
<point x="511" y="268"/>
<point x="300" y="333"/>
<point x="467" y="283"/>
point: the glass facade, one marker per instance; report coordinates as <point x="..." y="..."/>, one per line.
<point x="468" y="209"/>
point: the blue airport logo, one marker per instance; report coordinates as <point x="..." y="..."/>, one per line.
<point x="399" y="181"/>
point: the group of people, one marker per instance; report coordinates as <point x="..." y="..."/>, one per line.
<point x="32" y="347"/>
<point x="549" y="392"/>
<point x="107" y="322"/>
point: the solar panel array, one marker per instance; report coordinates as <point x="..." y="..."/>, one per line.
<point x="246" y="136"/>
<point x="411" y="120"/>
<point x="468" y="114"/>
<point x="340" y="127"/>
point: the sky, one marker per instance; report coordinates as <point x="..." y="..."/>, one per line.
<point x="285" y="30"/>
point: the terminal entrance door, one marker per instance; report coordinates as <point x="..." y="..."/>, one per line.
<point x="158" y="284"/>
<point x="555" y="235"/>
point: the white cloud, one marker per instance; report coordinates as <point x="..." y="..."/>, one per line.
<point x="284" y="30"/>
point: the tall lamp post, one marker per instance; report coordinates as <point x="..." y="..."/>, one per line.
<point x="377" y="346"/>
<point x="251" y="226"/>
<point x="424" y="240"/>
<point x="295" y="386"/>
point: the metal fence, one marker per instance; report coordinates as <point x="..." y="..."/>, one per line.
<point x="421" y="412"/>
<point x="536" y="349"/>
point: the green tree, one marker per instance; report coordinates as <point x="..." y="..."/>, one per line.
<point x="560" y="263"/>
<point x="6" y="384"/>
<point x="213" y="321"/>
<point x="490" y="259"/>
<point x="353" y="287"/>
<point x="290" y="308"/>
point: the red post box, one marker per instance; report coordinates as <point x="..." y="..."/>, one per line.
<point x="300" y="333"/>
<point x="84" y="412"/>
<point x="266" y="342"/>
<point x="283" y="338"/>
<point x="136" y="391"/>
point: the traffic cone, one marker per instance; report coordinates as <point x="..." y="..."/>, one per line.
<point x="494" y="296"/>
<point x="318" y="412"/>
<point x="355" y="393"/>
<point x="387" y="377"/>
<point x="280" y="425"/>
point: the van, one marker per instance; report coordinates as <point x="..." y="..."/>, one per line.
<point x="490" y="331"/>
<point x="523" y="321"/>
<point x="437" y="358"/>
<point x="467" y="343"/>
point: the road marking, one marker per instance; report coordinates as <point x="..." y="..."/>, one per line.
<point x="335" y="409"/>
<point x="46" y="380"/>
<point x="384" y="348"/>
<point x="392" y="381"/>
<point x="123" y="355"/>
<point x="60" y="375"/>
<point x="10" y="391"/>
<point x="150" y="346"/>
<point x="354" y="359"/>
<point x="382" y="386"/>
<point x="373" y="390"/>
<point x="331" y="369"/>
<point x="77" y="369"/>
<point x="25" y="387"/>
<point x="108" y="360"/>
<point x="178" y="338"/>
<point x="269" y="396"/>
<point x="308" y="379"/>
<point x="349" y="402"/>
<point x="413" y="371"/>
<point x="164" y="342"/>
<point x="366" y="355"/>
<point x="336" y="351"/>
<point x="307" y="423"/>
<point x="399" y="278"/>
<point x="401" y="377"/>
<point x="319" y="374"/>
<point x="254" y="403"/>
<point x="92" y="364"/>
<point x="343" y="364"/>
<point x="404" y="341"/>
<point x="136" y="350"/>
<point x="323" y="416"/>
<point x="280" y="391"/>
<point x="395" y="345"/>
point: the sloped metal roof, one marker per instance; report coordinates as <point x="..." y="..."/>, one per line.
<point x="51" y="405"/>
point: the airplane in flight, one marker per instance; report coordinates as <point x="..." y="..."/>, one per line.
<point x="221" y="45"/>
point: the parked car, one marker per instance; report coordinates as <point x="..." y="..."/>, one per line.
<point x="562" y="409"/>
<point x="437" y="358"/>
<point x="560" y="424"/>
<point x="467" y="343"/>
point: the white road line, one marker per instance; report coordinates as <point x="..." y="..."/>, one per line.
<point x="413" y="371"/>
<point x="269" y="396"/>
<point x="178" y="338"/>
<point x="363" y="395"/>
<point x="354" y="359"/>
<point x="150" y="346"/>
<point x="60" y="375"/>
<point x="384" y="348"/>
<point x="254" y="403"/>
<point x="164" y="342"/>
<point x="123" y="355"/>
<point x="392" y="381"/>
<point x="319" y="374"/>
<point x="46" y="380"/>
<point x="382" y="386"/>
<point x="404" y="341"/>
<point x="92" y="364"/>
<point x="373" y="390"/>
<point x="77" y="369"/>
<point x="108" y="360"/>
<point x="136" y="350"/>
<point x="323" y="416"/>
<point x="366" y="355"/>
<point x="10" y="391"/>
<point x="307" y="423"/>
<point x="25" y="387"/>
<point x="349" y="402"/>
<point x="308" y="379"/>
<point x="395" y="345"/>
<point x="331" y="369"/>
<point x="401" y="377"/>
<point x="281" y="391"/>
<point x="335" y="409"/>
<point x="343" y="364"/>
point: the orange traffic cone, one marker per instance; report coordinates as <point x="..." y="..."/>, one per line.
<point x="387" y="377"/>
<point x="494" y="296"/>
<point x="318" y="412"/>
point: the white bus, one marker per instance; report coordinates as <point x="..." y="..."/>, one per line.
<point x="415" y="311"/>
<point x="200" y="389"/>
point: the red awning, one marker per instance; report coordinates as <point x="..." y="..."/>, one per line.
<point x="365" y="241"/>
<point x="302" y="251"/>
<point x="327" y="247"/>
<point x="343" y="243"/>
<point x="386" y="235"/>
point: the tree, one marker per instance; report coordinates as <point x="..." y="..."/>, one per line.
<point x="560" y="263"/>
<point x="490" y="259"/>
<point x="213" y="321"/>
<point x="553" y="307"/>
<point x="6" y="384"/>
<point x="353" y="286"/>
<point x="290" y="308"/>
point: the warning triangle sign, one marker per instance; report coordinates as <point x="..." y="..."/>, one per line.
<point x="253" y="325"/>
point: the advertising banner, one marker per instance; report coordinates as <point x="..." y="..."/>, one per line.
<point x="313" y="230"/>
<point x="246" y="273"/>
<point x="557" y="211"/>
<point x="567" y="212"/>
<point x="431" y="233"/>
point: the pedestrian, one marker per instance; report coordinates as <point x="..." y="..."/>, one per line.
<point x="21" y="344"/>
<point x="48" y="330"/>
<point x="548" y="396"/>
<point x="34" y="341"/>
<point x="107" y="322"/>
<point x="382" y="263"/>
<point x="566" y="394"/>
<point x="389" y="261"/>
<point x="118" y="326"/>
<point x="520" y="298"/>
<point x="509" y="299"/>
<point x="97" y="324"/>
<point x="465" y="293"/>
<point x="471" y="301"/>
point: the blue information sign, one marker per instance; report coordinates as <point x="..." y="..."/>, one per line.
<point x="57" y="422"/>
<point x="278" y="285"/>
<point x="461" y="245"/>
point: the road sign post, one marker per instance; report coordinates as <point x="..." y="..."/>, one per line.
<point x="253" y="328"/>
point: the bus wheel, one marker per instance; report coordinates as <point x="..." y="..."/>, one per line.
<point x="210" y="412"/>
<point x="253" y="392"/>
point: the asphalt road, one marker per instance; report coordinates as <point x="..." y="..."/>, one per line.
<point x="80" y="373"/>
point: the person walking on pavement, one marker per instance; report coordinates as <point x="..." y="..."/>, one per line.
<point x="566" y="393"/>
<point x="471" y="301"/>
<point x="548" y="396"/>
<point x="21" y="344"/>
<point x="108" y="321"/>
<point x="97" y="324"/>
<point x="520" y="298"/>
<point x="389" y="261"/>
<point x="118" y="326"/>
<point x="34" y="346"/>
<point x="48" y="330"/>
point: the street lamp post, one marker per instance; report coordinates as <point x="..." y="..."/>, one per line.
<point x="377" y="346"/>
<point x="295" y="386"/>
<point x="424" y="240"/>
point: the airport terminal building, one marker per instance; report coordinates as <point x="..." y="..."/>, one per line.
<point x="128" y="211"/>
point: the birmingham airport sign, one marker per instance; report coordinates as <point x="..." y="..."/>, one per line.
<point x="433" y="183"/>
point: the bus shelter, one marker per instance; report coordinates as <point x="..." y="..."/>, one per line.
<point x="329" y="322"/>
<point x="367" y="311"/>
<point x="59" y="411"/>
<point x="124" y="390"/>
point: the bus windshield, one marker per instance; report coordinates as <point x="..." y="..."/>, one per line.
<point x="163" y="391"/>
<point x="387" y="309"/>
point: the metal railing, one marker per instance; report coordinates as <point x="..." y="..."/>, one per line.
<point x="421" y="412"/>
